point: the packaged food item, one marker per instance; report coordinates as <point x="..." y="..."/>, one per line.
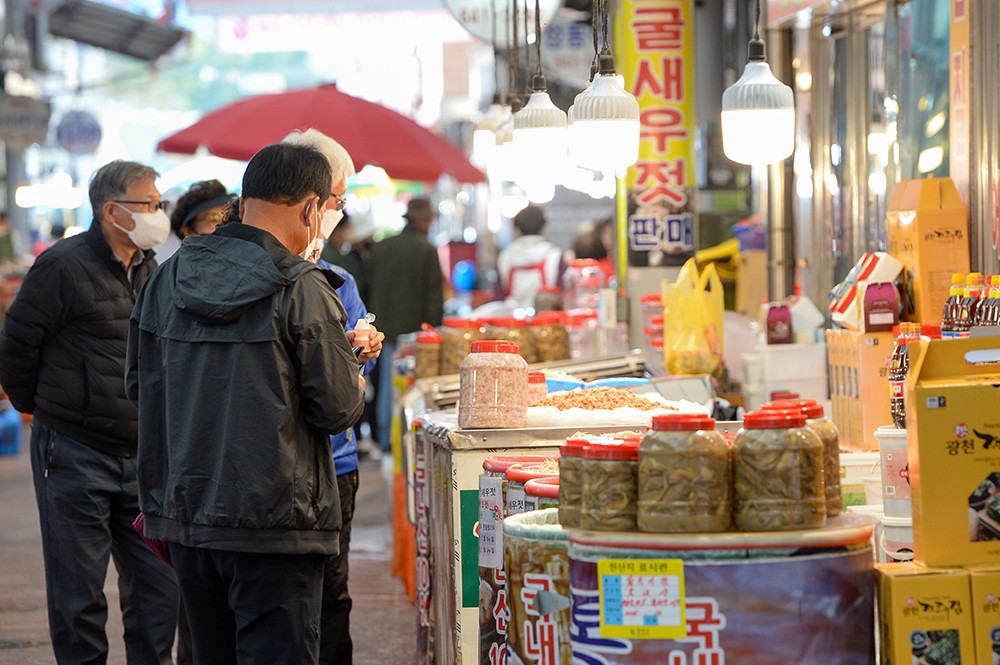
<point x="610" y="485"/>
<point x="541" y="493"/>
<point x="512" y="329"/>
<point x="899" y="365"/>
<point x="457" y="338"/>
<point x="518" y="475"/>
<point x="777" y="473"/>
<point x="779" y="324"/>
<point x="571" y="480"/>
<point x="684" y="476"/>
<point x="538" y="389"/>
<point x="969" y="304"/>
<point x="362" y="334"/>
<point x="828" y="433"/>
<point x="493" y="387"/>
<point x="551" y="338"/>
<point x="428" y="354"/>
<point x="952" y="306"/>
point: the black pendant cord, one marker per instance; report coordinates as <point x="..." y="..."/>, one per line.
<point x="496" y="52"/>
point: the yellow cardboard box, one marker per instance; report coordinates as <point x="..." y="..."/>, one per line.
<point x="859" y="386"/>
<point x="953" y="449"/>
<point x="985" y="587"/>
<point x="924" y="615"/>
<point x="928" y="230"/>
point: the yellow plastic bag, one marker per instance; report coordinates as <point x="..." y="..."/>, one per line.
<point x="692" y="321"/>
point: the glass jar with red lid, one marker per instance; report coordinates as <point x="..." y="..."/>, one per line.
<point x="457" y="337"/>
<point x="541" y="493"/>
<point x="513" y="329"/>
<point x="684" y="476"/>
<point x="777" y="473"/>
<point x="538" y="388"/>
<point x="583" y="280"/>
<point x="571" y="480"/>
<point x="828" y="433"/>
<point x="518" y="475"/>
<point x="551" y="338"/>
<point x="493" y="387"/>
<point x="428" y="354"/>
<point x="609" y="473"/>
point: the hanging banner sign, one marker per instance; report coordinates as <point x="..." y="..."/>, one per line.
<point x="23" y="121"/>
<point x="655" y="53"/>
<point x="477" y="17"/>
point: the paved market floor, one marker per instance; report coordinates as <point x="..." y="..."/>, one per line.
<point x="383" y="623"/>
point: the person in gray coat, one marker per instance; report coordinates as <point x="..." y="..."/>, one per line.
<point x="241" y="368"/>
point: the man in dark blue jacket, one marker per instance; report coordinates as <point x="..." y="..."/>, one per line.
<point x="62" y="358"/>
<point x="241" y="367"/>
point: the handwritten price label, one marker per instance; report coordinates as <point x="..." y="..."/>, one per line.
<point x="642" y="599"/>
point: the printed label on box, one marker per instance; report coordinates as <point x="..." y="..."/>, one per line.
<point x="642" y="599"/>
<point x="490" y="522"/>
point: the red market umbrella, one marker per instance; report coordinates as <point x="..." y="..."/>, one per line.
<point x="372" y="133"/>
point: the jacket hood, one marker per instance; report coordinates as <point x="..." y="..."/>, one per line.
<point x="219" y="277"/>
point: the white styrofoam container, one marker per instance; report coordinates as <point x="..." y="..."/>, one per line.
<point x="807" y="386"/>
<point x="789" y="361"/>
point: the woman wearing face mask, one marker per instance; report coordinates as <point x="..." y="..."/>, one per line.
<point x="197" y="213"/>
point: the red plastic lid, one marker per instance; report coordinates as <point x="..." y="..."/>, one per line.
<point x="507" y="322"/>
<point x="494" y="346"/>
<point x="456" y="322"/>
<point x="630" y="437"/>
<point x="625" y="450"/>
<point x="773" y="419"/>
<point x="547" y="488"/>
<point x="547" y="318"/>
<point x="783" y="394"/>
<point x="651" y="298"/>
<point x="522" y="473"/>
<point x="580" y="315"/>
<point x="500" y="463"/>
<point x="574" y="446"/>
<point x="682" y="422"/>
<point x="810" y="407"/>
<point x="656" y="342"/>
<point x="536" y="377"/>
<point x="583" y="263"/>
<point x="656" y="321"/>
<point x="429" y="337"/>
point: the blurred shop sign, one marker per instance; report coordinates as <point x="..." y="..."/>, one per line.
<point x="78" y="132"/>
<point x="477" y="17"/>
<point x="251" y="7"/>
<point x="568" y="50"/>
<point x="23" y="120"/>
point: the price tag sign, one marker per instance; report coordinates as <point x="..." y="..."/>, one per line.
<point x="642" y="598"/>
<point x="490" y="522"/>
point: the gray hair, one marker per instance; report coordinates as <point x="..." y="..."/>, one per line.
<point x="113" y="179"/>
<point x="341" y="164"/>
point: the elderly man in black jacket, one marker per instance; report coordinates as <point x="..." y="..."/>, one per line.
<point x="241" y="367"/>
<point x="62" y="358"/>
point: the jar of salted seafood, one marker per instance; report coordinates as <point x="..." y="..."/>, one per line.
<point x="609" y="472"/>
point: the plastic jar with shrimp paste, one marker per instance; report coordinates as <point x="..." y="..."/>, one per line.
<point x="493" y="387"/>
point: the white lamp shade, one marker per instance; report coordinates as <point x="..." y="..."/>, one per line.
<point x="540" y="132"/>
<point x="486" y="136"/>
<point x="605" y="129"/>
<point x="758" y="117"/>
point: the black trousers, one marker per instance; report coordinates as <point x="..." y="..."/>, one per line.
<point x="251" y="608"/>
<point x="335" y="646"/>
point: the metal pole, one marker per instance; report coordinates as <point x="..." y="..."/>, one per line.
<point x="780" y="187"/>
<point x="14" y="157"/>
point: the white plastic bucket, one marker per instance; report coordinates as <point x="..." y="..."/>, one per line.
<point x="873" y="488"/>
<point x="853" y="468"/>
<point x="895" y="543"/>
<point x="895" y="471"/>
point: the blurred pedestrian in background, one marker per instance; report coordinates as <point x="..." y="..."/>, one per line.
<point x="530" y="262"/>
<point x="405" y="282"/>
<point x="62" y="358"/>
<point x="239" y="362"/>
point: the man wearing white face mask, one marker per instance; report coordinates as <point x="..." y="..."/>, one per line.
<point x="62" y="358"/>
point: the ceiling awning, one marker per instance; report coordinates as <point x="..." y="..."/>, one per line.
<point x="113" y="29"/>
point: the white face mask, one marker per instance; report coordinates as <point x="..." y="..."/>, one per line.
<point x="329" y="222"/>
<point x="315" y="246"/>
<point x="151" y="228"/>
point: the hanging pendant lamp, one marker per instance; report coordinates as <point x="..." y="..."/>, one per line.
<point x="758" y="112"/>
<point x="486" y="135"/>
<point x="606" y="123"/>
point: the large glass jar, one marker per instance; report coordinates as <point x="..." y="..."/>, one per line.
<point x="777" y="473"/>
<point x="538" y="387"/>
<point x="610" y="482"/>
<point x="548" y="299"/>
<point x="428" y="354"/>
<point x="684" y="476"/>
<point x="583" y="280"/>
<point x="828" y="433"/>
<point x="493" y="387"/>
<point x="541" y="493"/>
<point x="514" y="330"/>
<point x="551" y="338"/>
<point x="457" y="338"/>
<point x="581" y="327"/>
<point x="571" y="480"/>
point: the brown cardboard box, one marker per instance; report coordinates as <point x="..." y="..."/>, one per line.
<point x="924" y="615"/>
<point x="860" y="399"/>
<point x="953" y="449"/>
<point x="985" y="595"/>
<point x="928" y="230"/>
<point x="751" y="282"/>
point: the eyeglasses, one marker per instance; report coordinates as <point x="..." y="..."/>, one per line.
<point x="341" y="202"/>
<point x="150" y="205"/>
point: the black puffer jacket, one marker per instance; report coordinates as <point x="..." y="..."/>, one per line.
<point x="62" y="347"/>
<point x="238" y="359"/>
